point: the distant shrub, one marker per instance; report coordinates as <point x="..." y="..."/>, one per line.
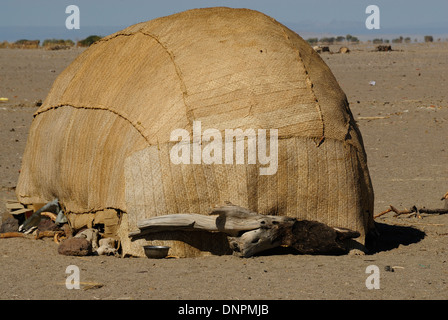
<point x="428" y="39"/>
<point x="88" y="41"/>
<point x="312" y="40"/>
<point x="21" y="41"/>
<point x="4" y="45"/>
<point x="377" y="41"/>
<point x="25" y="44"/>
<point x="327" y="40"/>
<point x="397" y="40"/>
<point x="57" y="44"/>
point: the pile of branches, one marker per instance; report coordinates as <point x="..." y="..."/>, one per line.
<point x="415" y="211"/>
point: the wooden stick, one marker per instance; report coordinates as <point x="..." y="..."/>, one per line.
<point x="382" y="213"/>
<point x="373" y="118"/>
<point x="406" y="211"/>
<point x="47" y="233"/>
<point x="433" y="211"/>
<point x="413" y="210"/>
<point x="50" y="215"/>
<point x="13" y="235"/>
<point x="58" y="237"/>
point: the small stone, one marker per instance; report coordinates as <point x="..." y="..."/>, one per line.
<point x="389" y="268"/>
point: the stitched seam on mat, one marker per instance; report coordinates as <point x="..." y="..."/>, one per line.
<point x="176" y="67"/>
<point x="309" y="83"/>
<point x="95" y="108"/>
<point x="183" y="87"/>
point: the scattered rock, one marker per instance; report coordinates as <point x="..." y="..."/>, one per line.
<point x="389" y="268"/>
<point x="320" y="49"/>
<point x="383" y="47"/>
<point x="75" y="247"/>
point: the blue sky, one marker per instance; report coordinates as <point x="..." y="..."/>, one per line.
<point x="29" y="17"/>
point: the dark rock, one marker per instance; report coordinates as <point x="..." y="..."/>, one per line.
<point x="384" y="48"/>
<point x="75" y="247"/>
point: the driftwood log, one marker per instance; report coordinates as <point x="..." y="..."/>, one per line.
<point x="250" y="233"/>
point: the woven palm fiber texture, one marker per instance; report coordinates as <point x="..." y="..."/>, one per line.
<point x="101" y="139"/>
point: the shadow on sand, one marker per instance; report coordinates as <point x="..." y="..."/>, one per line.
<point x="391" y="236"/>
<point x="386" y="238"/>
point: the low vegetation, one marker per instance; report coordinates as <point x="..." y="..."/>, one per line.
<point x="55" y="44"/>
<point x="352" y="39"/>
<point x="88" y="41"/>
<point x="49" y="44"/>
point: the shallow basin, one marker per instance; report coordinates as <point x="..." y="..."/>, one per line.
<point x="156" y="252"/>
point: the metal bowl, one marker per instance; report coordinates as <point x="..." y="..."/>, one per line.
<point x="156" y="252"/>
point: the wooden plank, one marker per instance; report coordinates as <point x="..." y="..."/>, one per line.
<point x="16" y="212"/>
<point x="14" y="206"/>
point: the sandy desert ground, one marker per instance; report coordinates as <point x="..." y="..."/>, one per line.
<point x="404" y="122"/>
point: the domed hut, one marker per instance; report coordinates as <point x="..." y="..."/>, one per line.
<point x="102" y="141"/>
